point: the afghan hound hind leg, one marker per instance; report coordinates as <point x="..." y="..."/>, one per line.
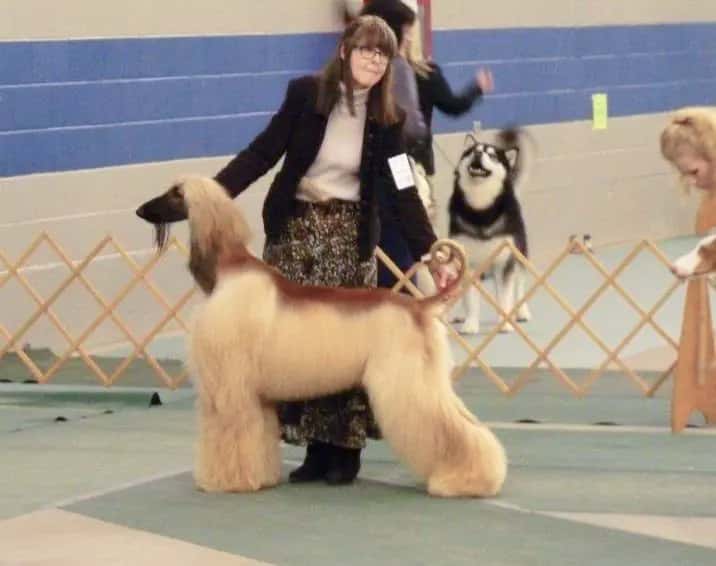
<point x="231" y="454"/>
<point x="479" y="471"/>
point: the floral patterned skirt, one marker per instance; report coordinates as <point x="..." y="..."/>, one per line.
<point x="319" y="247"/>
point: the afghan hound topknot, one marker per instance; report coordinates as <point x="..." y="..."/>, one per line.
<point x="260" y="338"/>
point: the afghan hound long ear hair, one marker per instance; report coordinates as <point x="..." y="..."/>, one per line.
<point x="216" y="227"/>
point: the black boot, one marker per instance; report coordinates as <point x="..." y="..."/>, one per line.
<point x="315" y="465"/>
<point x="344" y="465"/>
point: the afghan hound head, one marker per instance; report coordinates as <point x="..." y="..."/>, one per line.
<point x="216" y="226"/>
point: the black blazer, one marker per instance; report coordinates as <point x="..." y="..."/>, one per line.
<point x="297" y="130"/>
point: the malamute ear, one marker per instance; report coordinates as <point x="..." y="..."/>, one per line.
<point x="470" y="141"/>
<point x="512" y="154"/>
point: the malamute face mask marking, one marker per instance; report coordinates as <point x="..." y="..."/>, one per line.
<point x="482" y="172"/>
<point x="484" y="160"/>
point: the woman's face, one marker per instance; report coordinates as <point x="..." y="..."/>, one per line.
<point x="695" y="169"/>
<point x="368" y="65"/>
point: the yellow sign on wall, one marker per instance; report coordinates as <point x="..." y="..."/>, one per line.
<point x="600" y="111"/>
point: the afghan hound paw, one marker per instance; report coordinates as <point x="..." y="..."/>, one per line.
<point x="242" y="485"/>
<point x="444" y="487"/>
<point x="452" y="486"/>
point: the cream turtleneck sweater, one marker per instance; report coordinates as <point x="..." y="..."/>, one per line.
<point x="334" y="173"/>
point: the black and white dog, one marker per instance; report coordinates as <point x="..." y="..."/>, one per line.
<point x="485" y="212"/>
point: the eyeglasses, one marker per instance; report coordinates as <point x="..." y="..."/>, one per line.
<point x="373" y="53"/>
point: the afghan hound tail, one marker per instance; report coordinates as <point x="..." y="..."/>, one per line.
<point x="446" y="252"/>
<point x="521" y="141"/>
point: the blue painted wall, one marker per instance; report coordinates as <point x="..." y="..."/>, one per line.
<point x="547" y="75"/>
<point x="78" y="104"/>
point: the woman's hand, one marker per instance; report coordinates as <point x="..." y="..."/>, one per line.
<point x="484" y="80"/>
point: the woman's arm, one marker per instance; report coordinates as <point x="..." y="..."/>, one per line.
<point x="445" y="100"/>
<point x="268" y="147"/>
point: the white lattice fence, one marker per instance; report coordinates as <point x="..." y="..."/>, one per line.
<point x="42" y="307"/>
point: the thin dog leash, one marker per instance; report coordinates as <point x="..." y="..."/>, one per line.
<point x="444" y="154"/>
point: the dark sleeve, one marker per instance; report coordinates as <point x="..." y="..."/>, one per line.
<point x="445" y="100"/>
<point x="409" y="209"/>
<point x="405" y="90"/>
<point x="268" y="147"/>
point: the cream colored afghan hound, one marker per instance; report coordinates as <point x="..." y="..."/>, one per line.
<point x="259" y="339"/>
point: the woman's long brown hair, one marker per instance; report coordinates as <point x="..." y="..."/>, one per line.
<point x="366" y="31"/>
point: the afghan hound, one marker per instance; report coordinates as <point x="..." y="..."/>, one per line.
<point x="259" y="339"/>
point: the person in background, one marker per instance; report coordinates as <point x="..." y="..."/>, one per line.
<point x="401" y="20"/>
<point x="433" y="91"/>
<point x="688" y="142"/>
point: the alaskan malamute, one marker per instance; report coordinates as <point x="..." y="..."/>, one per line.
<point x="484" y="212"/>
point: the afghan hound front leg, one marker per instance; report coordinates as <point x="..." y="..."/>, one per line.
<point x="231" y="446"/>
